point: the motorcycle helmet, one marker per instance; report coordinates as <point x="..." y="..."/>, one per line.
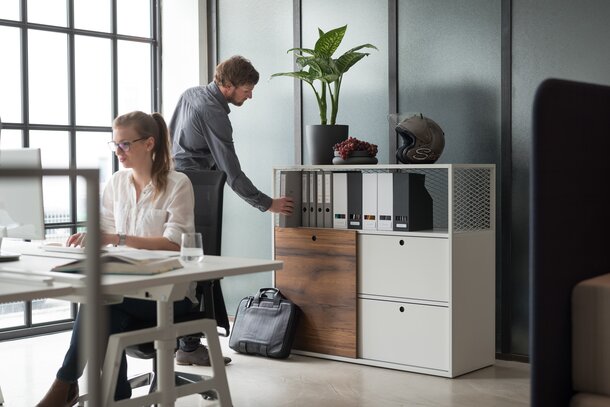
<point x="422" y="140"/>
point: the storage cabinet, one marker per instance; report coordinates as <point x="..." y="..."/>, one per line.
<point x="419" y="301"/>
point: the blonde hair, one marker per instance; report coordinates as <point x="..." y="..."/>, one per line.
<point x="151" y="125"/>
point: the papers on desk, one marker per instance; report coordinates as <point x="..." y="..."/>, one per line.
<point x="140" y="262"/>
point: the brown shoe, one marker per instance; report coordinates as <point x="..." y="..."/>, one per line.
<point x="61" y="394"/>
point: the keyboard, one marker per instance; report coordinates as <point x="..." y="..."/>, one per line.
<point x="65" y="249"/>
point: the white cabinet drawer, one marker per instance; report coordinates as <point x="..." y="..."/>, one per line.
<point x="406" y="267"/>
<point x="404" y="333"/>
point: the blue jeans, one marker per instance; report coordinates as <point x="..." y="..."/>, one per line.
<point x="129" y="315"/>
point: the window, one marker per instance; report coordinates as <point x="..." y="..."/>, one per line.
<point x="68" y="68"/>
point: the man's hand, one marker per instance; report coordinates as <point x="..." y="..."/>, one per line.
<point x="283" y="205"/>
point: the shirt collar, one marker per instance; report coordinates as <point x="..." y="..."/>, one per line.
<point x="215" y="91"/>
<point x="146" y="188"/>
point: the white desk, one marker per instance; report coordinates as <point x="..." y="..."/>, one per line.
<point x="163" y="288"/>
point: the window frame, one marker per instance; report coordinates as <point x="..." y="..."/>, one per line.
<point x="29" y="328"/>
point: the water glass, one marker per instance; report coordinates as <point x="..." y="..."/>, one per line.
<point x="191" y="250"/>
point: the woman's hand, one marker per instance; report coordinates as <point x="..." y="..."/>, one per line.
<point x="77" y="240"/>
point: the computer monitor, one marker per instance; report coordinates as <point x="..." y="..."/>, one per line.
<point x="21" y="205"/>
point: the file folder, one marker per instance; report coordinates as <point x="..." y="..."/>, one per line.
<point x="320" y="199"/>
<point x="412" y="202"/>
<point x="339" y="200"/>
<point x="305" y="198"/>
<point x="385" y="201"/>
<point x="369" y="201"/>
<point x="328" y="199"/>
<point x="354" y="200"/>
<point x="312" y="199"/>
<point x="290" y="185"/>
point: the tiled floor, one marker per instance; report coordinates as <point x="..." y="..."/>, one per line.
<point x="28" y="366"/>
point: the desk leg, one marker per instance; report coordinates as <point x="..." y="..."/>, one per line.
<point x="165" y="353"/>
<point x="1" y="397"/>
<point x="218" y="365"/>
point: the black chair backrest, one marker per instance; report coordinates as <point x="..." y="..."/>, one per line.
<point x="208" y="187"/>
<point x="569" y="222"/>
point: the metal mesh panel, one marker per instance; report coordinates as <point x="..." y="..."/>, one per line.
<point x="472" y="199"/>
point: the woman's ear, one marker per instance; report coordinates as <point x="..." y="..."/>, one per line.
<point x="150" y="143"/>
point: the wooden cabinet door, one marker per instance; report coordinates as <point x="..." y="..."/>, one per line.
<point x="319" y="275"/>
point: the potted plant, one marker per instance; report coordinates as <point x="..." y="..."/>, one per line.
<point x="324" y="74"/>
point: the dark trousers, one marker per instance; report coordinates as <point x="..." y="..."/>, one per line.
<point x="129" y="315"/>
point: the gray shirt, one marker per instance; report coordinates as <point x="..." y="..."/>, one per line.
<point x="202" y="139"/>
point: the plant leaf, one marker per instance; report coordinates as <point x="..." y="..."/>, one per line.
<point x="302" y="75"/>
<point x="328" y="43"/>
<point x="347" y="60"/>
<point x="302" y="51"/>
<point x="362" y="46"/>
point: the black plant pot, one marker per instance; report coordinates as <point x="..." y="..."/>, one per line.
<point x="320" y="139"/>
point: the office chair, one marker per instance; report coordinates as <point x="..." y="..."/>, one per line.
<point x="208" y="187"/>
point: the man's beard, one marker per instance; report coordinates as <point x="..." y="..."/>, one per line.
<point x="235" y="102"/>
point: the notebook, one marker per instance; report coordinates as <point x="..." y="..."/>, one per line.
<point x="142" y="262"/>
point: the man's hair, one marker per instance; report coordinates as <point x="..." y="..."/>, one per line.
<point x="236" y="71"/>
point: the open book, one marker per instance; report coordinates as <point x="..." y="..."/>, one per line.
<point x="128" y="262"/>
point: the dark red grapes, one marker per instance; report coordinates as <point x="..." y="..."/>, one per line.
<point x="346" y="147"/>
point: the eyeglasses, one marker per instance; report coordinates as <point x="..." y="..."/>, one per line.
<point x="124" y="145"/>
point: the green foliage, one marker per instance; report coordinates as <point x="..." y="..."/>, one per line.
<point x="318" y="65"/>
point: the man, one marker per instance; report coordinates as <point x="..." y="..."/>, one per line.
<point x="202" y="139"/>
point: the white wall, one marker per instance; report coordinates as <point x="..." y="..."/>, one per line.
<point x="184" y="55"/>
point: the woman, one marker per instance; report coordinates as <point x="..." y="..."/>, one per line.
<point x="148" y="206"/>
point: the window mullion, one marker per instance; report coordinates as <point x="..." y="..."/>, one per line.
<point x="72" y="112"/>
<point x="25" y="99"/>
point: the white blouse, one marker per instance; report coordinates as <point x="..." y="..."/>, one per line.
<point x="169" y="214"/>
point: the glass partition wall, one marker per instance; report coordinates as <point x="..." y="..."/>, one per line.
<point x="68" y="68"/>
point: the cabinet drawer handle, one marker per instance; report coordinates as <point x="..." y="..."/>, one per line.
<point x="401" y="309"/>
<point x="314" y="238"/>
<point x="401" y="242"/>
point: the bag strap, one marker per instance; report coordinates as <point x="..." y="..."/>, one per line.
<point x="262" y="293"/>
<point x="243" y="348"/>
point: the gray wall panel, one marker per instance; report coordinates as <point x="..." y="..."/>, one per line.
<point x="449" y="69"/>
<point x="262" y="128"/>
<point x="551" y="38"/>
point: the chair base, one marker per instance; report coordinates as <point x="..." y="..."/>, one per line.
<point x="149" y="379"/>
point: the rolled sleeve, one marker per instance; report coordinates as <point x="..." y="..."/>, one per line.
<point x="107" y="223"/>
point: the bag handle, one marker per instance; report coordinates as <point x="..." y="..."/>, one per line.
<point x="277" y="296"/>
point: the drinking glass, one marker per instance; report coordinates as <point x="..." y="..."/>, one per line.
<point x="191" y="250"/>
